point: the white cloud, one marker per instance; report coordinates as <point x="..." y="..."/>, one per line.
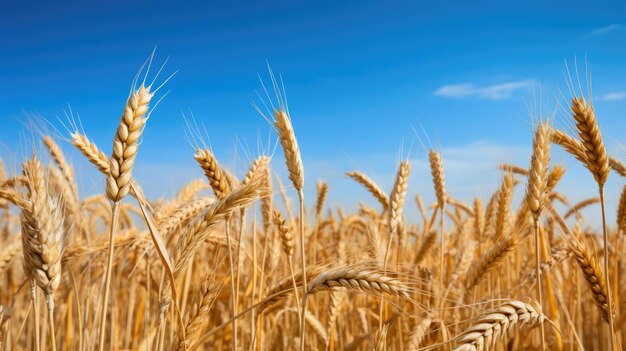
<point x="492" y="92"/>
<point x="613" y="96"/>
<point x="456" y="90"/>
<point x="606" y="29"/>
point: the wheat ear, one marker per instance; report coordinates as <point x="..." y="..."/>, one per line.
<point x="289" y="143"/>
<point x="357" y="278"/>
<point x="322" y="192"/>
<point x="126" y="143"/>
<point x="621" y="212"/>
<point x="617" y="166"/>
<point x="186" y="195"/>
<point x="579" y="206"/>
<point x="352" y="277"/>
<point x="479" y="220"/>
<point x="59" y="159"/>
<point x="198" y="315"/>
<point x="90" y="150"/>
<point x="597" y="160"/>
<point x="489" y="327"/>
<point x="214" y="173"/>
<point x="417" y="334"/>
<point x="593" y="274"/>
<point x="427" y="244"/>
<point x="397" y="200"/>
<point x="554" y="177"/>
<point x="7" y="253"/>
<point x="380" y="338"/>
<point x="538" y="171"/>
<point x="372" y="187"/>
<point x="504" y="205"/>
<point x="488" y="260"/>
<point x="513" y="169"/>
<point x="436" y="170"/>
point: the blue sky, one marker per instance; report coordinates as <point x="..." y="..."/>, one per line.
<point x="358" y="75"/>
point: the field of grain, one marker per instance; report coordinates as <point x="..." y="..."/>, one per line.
<point x="241" y="263"/>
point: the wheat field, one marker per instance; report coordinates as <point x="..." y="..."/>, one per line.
<point x="232" y="263"/>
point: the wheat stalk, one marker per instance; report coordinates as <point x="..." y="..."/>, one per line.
<point x="293" y="159"/>
<point x="536" y="195"/>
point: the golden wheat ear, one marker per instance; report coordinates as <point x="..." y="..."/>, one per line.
<point x="372" y="187"/>
<point x="213" y="171"/>
<point x="322" y="191"/>
<point x="488" y="261"/>
<point x="289" y="143"/>
<point x="398" y="197"/>
<point x="436" y="170"/>
<point x="621" y="212"/>
<point x="126" y="143"/>
<point x="538" y="172"/>
<point x="597" y="160"/>
<point x="487" y="329"/>
<point x="592" y="272"/>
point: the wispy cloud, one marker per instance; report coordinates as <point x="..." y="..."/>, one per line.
<point x="492" y="92"/>
<point x="606" y="29"/>
<point x="613" y="96"/>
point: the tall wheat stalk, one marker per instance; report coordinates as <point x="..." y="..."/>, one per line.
<point x="395" y="217"/>
<point x="597" y="162"/>
<point x="536" y="192"/>
<point x="436" y="170"/>
<point x="293" y="159"/>
<point x="125" y="147"/>
<point x="221" y="187"/>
